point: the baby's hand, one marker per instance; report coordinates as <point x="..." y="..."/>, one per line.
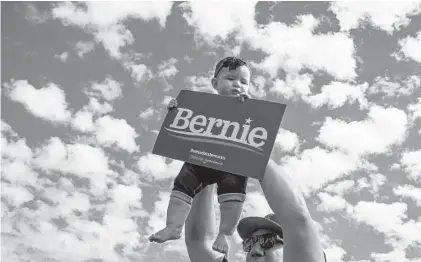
<point x="172" y="104"/>
<point x="243" y="96"/>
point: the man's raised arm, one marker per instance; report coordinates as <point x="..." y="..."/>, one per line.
<point x="200" y="229"/>
<point x="302" y="242"/>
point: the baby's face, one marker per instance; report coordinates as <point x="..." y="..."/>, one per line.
<point x="232" y="82"/>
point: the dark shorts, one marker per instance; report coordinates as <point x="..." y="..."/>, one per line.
<point x="193" y="178"/>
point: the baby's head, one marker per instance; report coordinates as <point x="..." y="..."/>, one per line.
<point x="231" y="77"/>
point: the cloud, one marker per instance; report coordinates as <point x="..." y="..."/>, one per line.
<point x="147" y="114"/>
<point x="81" y="160"/>
<point x="110" y="131"/>
<point x="287" y="49"/>
<point x="331" y="203"/>
<point x="98" y="108"/>
<point x="394" y="89"/>
<point x="341" y="187"/>
<point x="33" y="14"/>
<point x="288" y="141"/>
<point x="109" y="89"/>
<point x="84" y="47"/>
<point x="390" y="220"/>
<point x="315" y="167"/>
<point x="48" y="102"/>
<point x="337" y="94"/>
<point x="257" y="87"/>
<point x="409" y="192"/>
<point x="231" y="18"/>
<point x="382" y="129"/>
<point x="200" y="84"/>
<point x="410" y="47"/>
<point x="415" y="110"/>
<point x="139" y="72"/>
<point x="382" y="217"/>
<point x="15" y="195"/>
<point x="62" y="57"/>
<point x="105" y="20"/>
<point x="167" y="69"/>
<point x="389" y="16"/>
<point x="411" y="162"/>
<point x="373" y="182"/>
<point x="295" y="86"/>
<point x="83" y="122"/>
<point x="332" y="53"/>
<point x="155" y="168"/>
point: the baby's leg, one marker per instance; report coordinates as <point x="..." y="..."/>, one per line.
<point x="231" y="196"/>
<point x="177" y="212"/>
<point x="230" y="216"/>
<point x="185" y="186"/>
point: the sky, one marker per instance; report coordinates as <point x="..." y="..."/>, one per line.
<point x="84" y="93"/>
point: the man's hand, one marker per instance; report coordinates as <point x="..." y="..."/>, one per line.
<point x="243" y="96"/>
<point x="172" y="104"/>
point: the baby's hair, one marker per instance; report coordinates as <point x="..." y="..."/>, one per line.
<point x="231" y="62"/>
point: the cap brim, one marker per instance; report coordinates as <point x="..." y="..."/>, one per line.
<point x="247" y="226"/>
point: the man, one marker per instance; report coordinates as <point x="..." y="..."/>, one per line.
<point x="262" y="236"/>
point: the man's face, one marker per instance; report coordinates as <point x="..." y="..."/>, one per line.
<point x="258" y="253"/>
<point x="232" y="82"/>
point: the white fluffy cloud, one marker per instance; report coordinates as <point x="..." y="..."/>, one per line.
<point x="77" y="159"/>
<point x="393" y="89"/>
<point x="340" y="188"/>
<point x="331" y="203"/>
<point x="231" y="18"/>
<point x="412" y="164"/>
<point x="62" y="57"/>
<point x="286" y="46"/>
<point x="111" y="131"/>
<point x="409" y="192"/>
<point x="139" y="72"/>
<point x="200" y="84"/>
<point x="288" y="141"/>
<point x="154" y="167"/>
<point x="373" y="182"/>
<point x="336" y="94"/>
<point x="315" y="167"/>
<point x="84" y="47"/>
<point x="83" y="122"/>
<point x="388" y="16"/>
<point x="167" y="68"/>
<point x="390" y="220"/>
<point x="106" y="20"/>
<point x="295" y="86"/>
<point x="109" y="89"/>
<point x="382" y="217"/>
<point x="382" y="129"/>
<point x="147" y="114"/>
<point x="410" y="48"/>
<point x="48" y="102"/>
<point x="98" y="108"/>
<point x="415" y="110"/>
<point x="287" y="49"/>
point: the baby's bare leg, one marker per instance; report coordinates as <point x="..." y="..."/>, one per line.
<point x="230" y="216"/>
<point x="177" y="213"/>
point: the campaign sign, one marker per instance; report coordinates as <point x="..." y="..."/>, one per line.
<point x="221" y="132"/>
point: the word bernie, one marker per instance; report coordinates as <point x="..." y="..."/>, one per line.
<point x="210" y="127"/>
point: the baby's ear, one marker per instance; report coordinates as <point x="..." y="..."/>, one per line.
<point x="214" y="83"/>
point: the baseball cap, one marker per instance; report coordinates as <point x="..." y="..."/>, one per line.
<point x="248" y="225"/>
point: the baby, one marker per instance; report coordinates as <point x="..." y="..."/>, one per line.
<point x="231" y="78"/>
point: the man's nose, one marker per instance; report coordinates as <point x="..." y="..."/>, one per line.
<point x="256" y="251"/>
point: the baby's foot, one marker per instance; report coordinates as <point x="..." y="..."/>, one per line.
<point x="168" y="233"/>
<point x="221" y="244"/>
